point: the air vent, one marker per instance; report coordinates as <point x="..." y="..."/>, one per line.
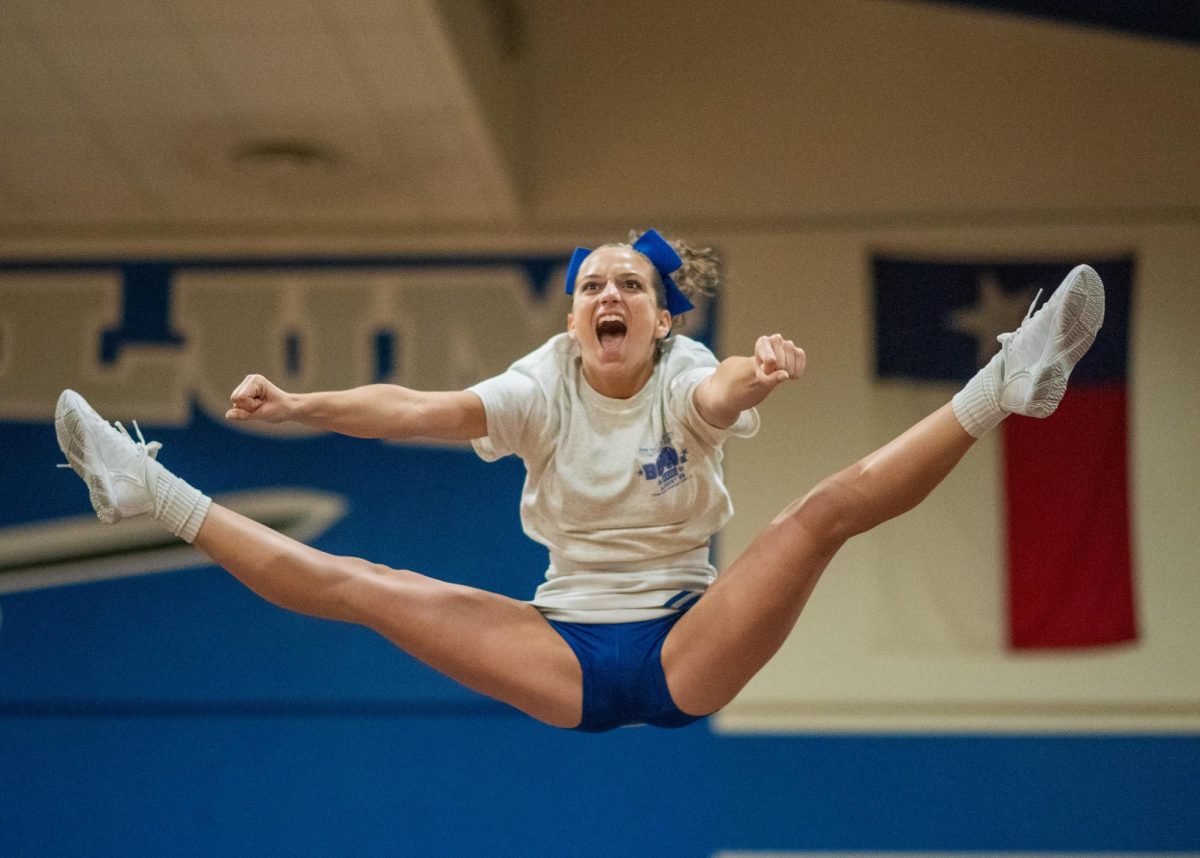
<point x="284" y="160"/>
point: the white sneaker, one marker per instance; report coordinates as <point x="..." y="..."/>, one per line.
<point x="1036" y="359"/>
<point x="117" y="469"/>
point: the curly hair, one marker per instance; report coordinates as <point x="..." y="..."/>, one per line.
<point x="701" y="273"/>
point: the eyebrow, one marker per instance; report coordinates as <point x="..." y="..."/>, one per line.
<point x="627" y="273"/>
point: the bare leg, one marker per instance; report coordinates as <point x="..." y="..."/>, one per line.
<point x="495" y="645"/>
<point x="746" y="615"/>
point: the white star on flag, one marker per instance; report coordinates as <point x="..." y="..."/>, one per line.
<point x="995" y="312"/>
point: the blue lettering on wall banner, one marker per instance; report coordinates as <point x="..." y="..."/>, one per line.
<point x="161" y="334"/>
<point x="164" y="342"/>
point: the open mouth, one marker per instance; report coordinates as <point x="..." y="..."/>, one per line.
<point x="610" y="330"/>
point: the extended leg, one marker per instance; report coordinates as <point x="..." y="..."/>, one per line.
<point x="747" y="614"/>
<point x="490" y="643"/>
<point x="495" y="645"/>
<point x="739" y="624"/>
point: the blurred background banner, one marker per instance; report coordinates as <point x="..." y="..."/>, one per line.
<point x="162" y="343"/>
<point x="1064" y="573"/>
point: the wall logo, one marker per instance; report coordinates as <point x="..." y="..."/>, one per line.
<point x="666" y="466"/>
<point x="165" y="341"/>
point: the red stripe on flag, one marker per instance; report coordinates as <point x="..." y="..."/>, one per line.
<point x="1070" y="572"/>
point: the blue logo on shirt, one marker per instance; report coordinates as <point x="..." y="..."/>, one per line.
<point x="667" y="466"/>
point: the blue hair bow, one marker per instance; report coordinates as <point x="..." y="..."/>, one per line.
<point x="661" y="255"/>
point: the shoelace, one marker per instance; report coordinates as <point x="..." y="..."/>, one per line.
<point x="147" y="449"/>
<point x="1005" y="337"/>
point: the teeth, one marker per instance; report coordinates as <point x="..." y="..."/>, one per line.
<point x="610" y="318"/>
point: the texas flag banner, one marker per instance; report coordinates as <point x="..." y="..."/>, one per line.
<point x="1057" y="569"/>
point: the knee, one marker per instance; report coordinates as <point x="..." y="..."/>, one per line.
<point x="357" y="589"/>
<point x="374" y="594"/>
<point x="833" y="511"/>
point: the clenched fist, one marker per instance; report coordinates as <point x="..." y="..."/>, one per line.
<point x="776" y="359"/>
<point x="257" y="399"/>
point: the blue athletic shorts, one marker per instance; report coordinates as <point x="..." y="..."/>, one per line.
<point x="623" y="680"/>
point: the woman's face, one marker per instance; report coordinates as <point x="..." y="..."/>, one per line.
<point x="616" y="319"/>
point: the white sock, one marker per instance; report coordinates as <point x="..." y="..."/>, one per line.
<point x="178" y="506"/>
<point x="977" y="405"/>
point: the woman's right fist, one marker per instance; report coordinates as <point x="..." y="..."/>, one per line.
<point x="257" y="399"/>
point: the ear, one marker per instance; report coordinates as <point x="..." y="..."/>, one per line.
<point x="662" y="326"/>
<point x="571" y="325"/>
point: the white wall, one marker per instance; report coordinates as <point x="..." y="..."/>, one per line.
<point x="765" y="114"/>
<point x="834" y="672"/>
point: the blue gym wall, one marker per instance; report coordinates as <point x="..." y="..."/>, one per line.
<point x="178" y="714"/>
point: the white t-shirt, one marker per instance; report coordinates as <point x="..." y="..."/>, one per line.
<point x="626" y="493"/>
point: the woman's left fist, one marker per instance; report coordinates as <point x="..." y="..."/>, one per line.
<point x="776" y="359"/>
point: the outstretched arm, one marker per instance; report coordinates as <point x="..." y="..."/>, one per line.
<point x="373" y="411"/>
<point x="743" y="382"/>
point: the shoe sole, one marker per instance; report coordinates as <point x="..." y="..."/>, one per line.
<point x="76" y="439"/>
<point x="1079" y="318"/>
